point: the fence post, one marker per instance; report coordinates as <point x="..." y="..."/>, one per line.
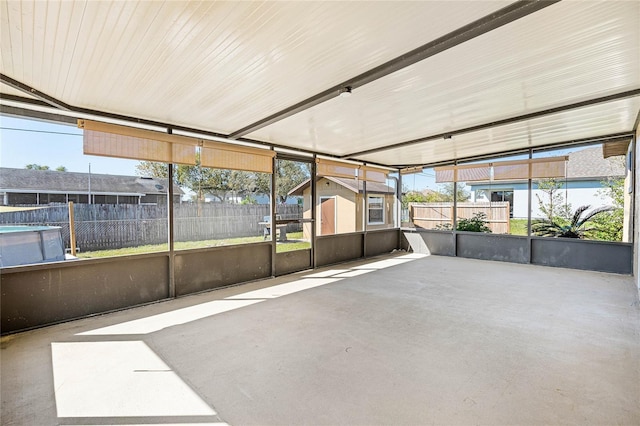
<point x="72" y="229"/>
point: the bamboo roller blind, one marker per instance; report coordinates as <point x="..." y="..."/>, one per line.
<point x="336" y="168"/>
<point x="540" y="168"/>
<point x="350" y="170"/>
<point x="111" y="140"/>
<point x="373" y="174"/>
<point x="226" y="156"/>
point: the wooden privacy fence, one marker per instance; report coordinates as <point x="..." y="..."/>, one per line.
<point x="434" y="215"/>
<point x="109" y="226"/>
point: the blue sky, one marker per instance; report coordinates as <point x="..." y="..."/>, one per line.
<point x="25" y="142"/>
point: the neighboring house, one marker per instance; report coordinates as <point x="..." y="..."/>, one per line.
<point x="341" y="204"/>
<point x="586" y="170"/>
<point x="30" y="187"/>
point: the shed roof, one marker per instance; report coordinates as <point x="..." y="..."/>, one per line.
<point x="431" y="81"/>
<point x="72" y="182"/>
<point x="353" y="185"/>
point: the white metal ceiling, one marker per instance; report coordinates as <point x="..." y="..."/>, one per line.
<point x="220" y="66"/>
<point x="583" y="123"/>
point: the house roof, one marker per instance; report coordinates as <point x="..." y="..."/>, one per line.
<point x="49" y="180"/>
<point x="353" y="185"/>
<point x="431" y="81"/>
<point x="589" y="163"/>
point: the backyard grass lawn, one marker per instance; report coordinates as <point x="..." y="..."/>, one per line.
<point x="294" y="243"/>
<point x="518" y="227"/>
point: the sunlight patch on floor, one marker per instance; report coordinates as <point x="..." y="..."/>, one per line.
<point x="384" y="263"/>
<point x="119" y="379"/>
<point x="168" y="319"/>
<point x="185" y="315"/>
<point x="355" y="273"/>
<point x="284" y="289"/>
<point x="327" y="273"/>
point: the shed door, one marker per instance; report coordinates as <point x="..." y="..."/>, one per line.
<point x="327" y="216"/>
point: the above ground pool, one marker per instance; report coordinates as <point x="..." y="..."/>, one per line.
<point x="23" y="245"/>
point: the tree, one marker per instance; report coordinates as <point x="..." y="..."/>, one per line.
<point x="437" y="197"/>
<point x="412" y="197"/>
<point x="153" y="169"/>
<point x="61" y="169"/>
<point x="576" y="228"/>
<point x="204" y="180"/>
<point x="610" y="224"/>
<point x="552" y="204"/>
<point x="36" y="167"/>
<point x="289" y="174"/>
<point x="445" y="193"/>
<point x="241" y="183"/>
<point x="200" y="180"/>
<point x="221" y="182"/>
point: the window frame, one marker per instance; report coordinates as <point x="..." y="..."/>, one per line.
<point x="381" y="208"/>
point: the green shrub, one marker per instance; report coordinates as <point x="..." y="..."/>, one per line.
<point x="478" y="223"/>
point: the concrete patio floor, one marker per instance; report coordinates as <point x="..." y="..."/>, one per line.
<point x="396" y="340"/>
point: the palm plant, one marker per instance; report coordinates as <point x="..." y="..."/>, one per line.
<point x="576" y="228"/>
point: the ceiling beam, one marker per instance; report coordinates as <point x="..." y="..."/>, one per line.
<point x="15" y="84"/>
<point x="20" y="112"/>
<point x="637" y="122"/>
<point x="524" y="117"/>
<point x="556" y="145"/>
<point x="504" y="16"/>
